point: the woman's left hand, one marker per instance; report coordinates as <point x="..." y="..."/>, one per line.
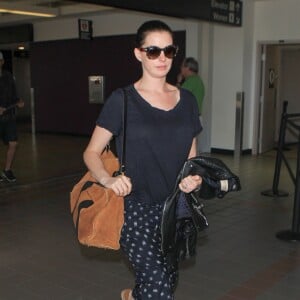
<point x="190" y="183"/>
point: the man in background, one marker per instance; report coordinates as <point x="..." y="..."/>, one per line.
<point x="189" y="79"/>
<point x="8" y="126"/>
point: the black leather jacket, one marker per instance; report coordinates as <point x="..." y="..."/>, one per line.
<point x="183" y="214"/>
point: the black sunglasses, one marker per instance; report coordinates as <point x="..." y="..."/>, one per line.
<point x="154" y="52"/>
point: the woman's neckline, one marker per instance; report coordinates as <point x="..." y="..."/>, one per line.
<point x="143" y="100"/>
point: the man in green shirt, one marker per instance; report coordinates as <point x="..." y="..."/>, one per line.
<point x="190" y="80"/>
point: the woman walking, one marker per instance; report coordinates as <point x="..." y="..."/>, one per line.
<point x="162" y="123"/>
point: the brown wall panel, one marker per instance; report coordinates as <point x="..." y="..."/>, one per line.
<point x="59" y="76"/>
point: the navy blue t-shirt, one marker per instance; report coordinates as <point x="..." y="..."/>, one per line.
<point x="157" y="141"/>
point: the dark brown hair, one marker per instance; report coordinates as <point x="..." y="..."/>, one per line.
<point x="150" y="26"/>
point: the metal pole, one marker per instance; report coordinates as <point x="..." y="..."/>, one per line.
<point x="279" y="154"/>
<point x="294" y="234"/>
<point x="296" y="215"/>
<point x="274" y="191"/>
<point x="239" y="120"/>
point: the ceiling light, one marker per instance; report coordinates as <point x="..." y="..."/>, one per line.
<point x="26" y="13"/>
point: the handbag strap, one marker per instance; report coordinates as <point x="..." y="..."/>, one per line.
<point x="123" y="154"/>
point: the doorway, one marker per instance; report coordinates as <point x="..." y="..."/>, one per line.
<point x="290" y="87"/>
<point x="280" y="71"/>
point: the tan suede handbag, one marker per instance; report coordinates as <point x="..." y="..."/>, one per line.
<point x="97" y="212"/>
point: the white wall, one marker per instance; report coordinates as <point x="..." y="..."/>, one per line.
<point x="235" y="58"/>
<point x="274" y="21"/>
<point x="228" y="55"/>
<point x="217" y="48"/>
<point x="104" y="24"/>
<point x="206" y="67"/>
<point x="277" y="20"/>
<point x="248" y="69"/>
<point x="226" y="82"/>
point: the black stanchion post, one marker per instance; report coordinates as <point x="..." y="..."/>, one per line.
<point x="294" y="234"/>
<point x="274" y="191"/>
<point x="296" y="215"/>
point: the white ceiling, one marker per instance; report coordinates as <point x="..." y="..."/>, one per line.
<point x="59" y="8"/>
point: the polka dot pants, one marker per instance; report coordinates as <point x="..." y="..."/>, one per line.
<point x="140" y="240"/>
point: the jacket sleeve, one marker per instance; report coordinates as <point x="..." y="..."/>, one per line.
<point x="217" y="178"/>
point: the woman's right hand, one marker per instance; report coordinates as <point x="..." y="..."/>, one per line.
<point x="120" y="184"/>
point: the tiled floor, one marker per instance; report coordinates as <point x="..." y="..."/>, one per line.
<point x="239" y="256"/>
